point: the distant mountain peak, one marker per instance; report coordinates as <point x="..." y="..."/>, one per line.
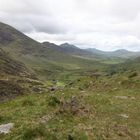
<point x="48" y="43"/>
<point x="122" y="50"/>
<point x="64" y="45"/>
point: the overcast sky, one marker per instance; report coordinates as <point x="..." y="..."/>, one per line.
<point x="101" y="24"/>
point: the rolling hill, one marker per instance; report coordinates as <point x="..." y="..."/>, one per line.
<point x="75" y="51"/>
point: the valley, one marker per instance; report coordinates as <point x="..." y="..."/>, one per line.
<point x="60" y="92"/>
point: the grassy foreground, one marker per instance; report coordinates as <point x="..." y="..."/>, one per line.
<point x="89" y="108"/>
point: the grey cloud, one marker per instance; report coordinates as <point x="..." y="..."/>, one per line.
<point x="106" y="24"/>
<point x="29" y="16"/>
<point x="30" y="23"/>
<point x="126" y="9"/>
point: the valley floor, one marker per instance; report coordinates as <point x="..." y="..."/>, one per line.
<point x="89" y="108"/>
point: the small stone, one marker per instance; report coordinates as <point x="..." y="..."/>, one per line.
<point x="53" y="88"/>
<point x="5" y="128"/>
<point x="124" y="116"/>
<point x="61" y="121"/>
<point x="133" y="98"/>
<point x="121" y="97"/>
<point x="125" y="97"/>
<point x="83" y="91"/>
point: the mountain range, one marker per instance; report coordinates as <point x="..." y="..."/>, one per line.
<point x="122" y="53"/>
<point x="44" y="57"/>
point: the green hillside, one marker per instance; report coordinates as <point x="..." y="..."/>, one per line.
<point x="75" y="51"/>
<point x="43" y="59"/>
<point x="133" y="64"/>
<point x="15" y="78"/>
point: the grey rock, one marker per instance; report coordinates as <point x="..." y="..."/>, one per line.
<point x="5" y="128"/>
<point x="124" y="116"/>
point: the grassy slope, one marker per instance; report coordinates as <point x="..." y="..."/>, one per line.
<point x="15" y="78"/>
<point x="90" y="108"/>
<point x="132" y="64"/>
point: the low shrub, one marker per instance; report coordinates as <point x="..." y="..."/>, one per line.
<point x="53" y="101"/>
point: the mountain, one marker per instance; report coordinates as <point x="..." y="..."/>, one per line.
<point x="68" y="46"/>
<point x="45" y="59"/>
<point x="122" y="53"/>
<point x="117" y="56"/>
<point x="90" y="53"/>
<point x="71" y="49"/>
<point x="95" y="51"/>
<point x="60" y="56"/>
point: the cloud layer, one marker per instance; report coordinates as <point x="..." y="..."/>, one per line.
<point x="102" y="24"/>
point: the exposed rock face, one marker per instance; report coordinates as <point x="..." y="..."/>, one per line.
<point x="9" y="89"/>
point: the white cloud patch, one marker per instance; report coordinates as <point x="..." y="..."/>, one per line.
<point x="103" y="24"/>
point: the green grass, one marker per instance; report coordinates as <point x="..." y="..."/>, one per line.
<point x="97" y="114"/>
